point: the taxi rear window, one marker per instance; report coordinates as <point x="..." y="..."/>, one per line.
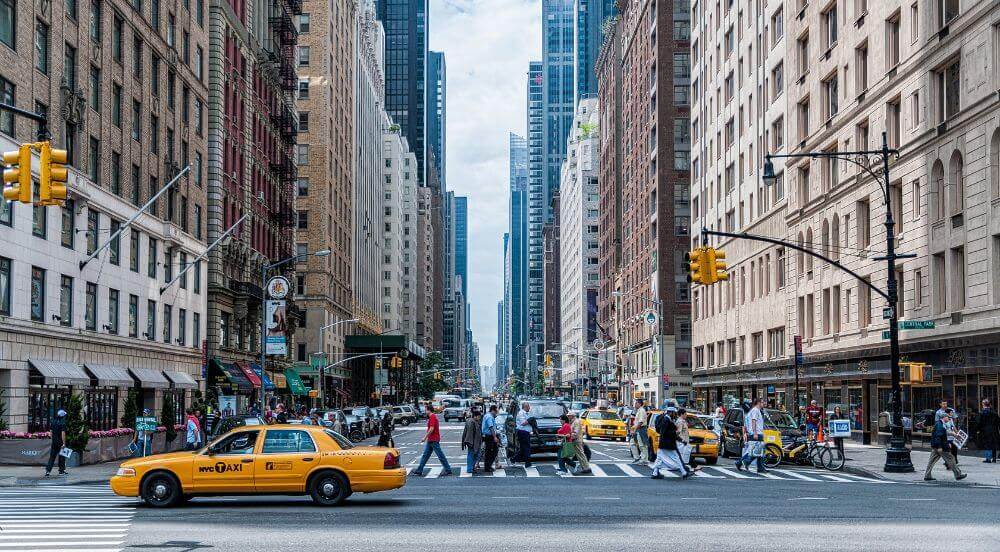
<point x="341" y="441"/>
<point x="279" y="441"/>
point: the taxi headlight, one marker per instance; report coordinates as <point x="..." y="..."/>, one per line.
<point x="125" y="472"/>
<point x="711" y="441"/>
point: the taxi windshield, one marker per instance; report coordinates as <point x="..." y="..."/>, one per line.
<point x="780" y="419"/>
<point x="602" y="415"/>
<point x="695" y="422"/>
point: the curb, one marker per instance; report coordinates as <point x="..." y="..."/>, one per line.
<point x="55" y="481"/>
<point x="864" y="472"/>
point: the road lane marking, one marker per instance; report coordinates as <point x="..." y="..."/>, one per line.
<point x="915" y="499"/>
<point x="629" y="470"/>
<point x="792" y="473"/>
<point x="602" y="498"/>
<point x="729" y="472"/>
<point x="462" y="472"/>
<point x="697" y="497"/>
<point x="809" y="498"/>
<point x="511" y="497"/>
<point x="531" y="472"/>
<point x="836" y="478"/>
<point x="434" y="472"/>
<point x="703" y="473"/>
<point x="865" y="479"/>
<point x="499" y="472"/>
<point x="598" y="471"/>
<point x="20" y="545"/>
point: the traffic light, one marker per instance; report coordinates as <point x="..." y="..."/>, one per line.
<point x="52" y="175"/>
<point x="548" y="359"/>
<point x="915" y="372"/>
<point x="546" y="373"/>
<point x="716" y="265"/>
<point x="697" y="266"/>
<point x="18" y="174"/>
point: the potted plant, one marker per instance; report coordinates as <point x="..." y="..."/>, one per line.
<point x="77" y="429"/>
<point x="167" y="419"/>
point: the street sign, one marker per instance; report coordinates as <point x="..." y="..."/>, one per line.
<point x="798" y="350"/>
<point x="887" y="313"/>
<point x="145" y="424"/>
<point x="650" y="318"/>
<point x="916" y="325"/>
<point x="381" y="376"/>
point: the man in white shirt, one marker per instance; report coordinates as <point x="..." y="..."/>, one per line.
<point x="522" y="423"/>
<point x="639" y="432"/>
<point x="753" y="436"/>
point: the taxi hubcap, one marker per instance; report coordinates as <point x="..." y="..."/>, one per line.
<point x="329" y="488"/>
<point x="160" y="490"/>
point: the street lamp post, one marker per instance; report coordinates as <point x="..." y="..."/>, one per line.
<point x="322" y="346"/>
<point x="897" y="455"/>
<point x="660" y="326"/>
<point x="263" y="312"/>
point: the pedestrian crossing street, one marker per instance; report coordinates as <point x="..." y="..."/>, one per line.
<point x="626" y="470"/>
<point x="64" y="518"/>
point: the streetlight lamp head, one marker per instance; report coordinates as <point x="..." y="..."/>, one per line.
<point x="322" y="253"/>
<point x="768" y="175"/>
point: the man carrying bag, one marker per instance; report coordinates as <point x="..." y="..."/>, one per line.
<point x="58" y="430"/>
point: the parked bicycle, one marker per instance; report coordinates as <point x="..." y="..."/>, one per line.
<point x="802" y="451"/>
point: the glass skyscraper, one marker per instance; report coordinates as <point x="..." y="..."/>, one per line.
<point x="591" y="18"/>
<point x="515" y="257"/>
<point x="437" y="80"/>
<point x="405" y="23"/>
<point x="536" y="210"/>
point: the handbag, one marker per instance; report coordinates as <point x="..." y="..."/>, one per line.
<point x="568" y="450"/>
<point x="66" y="452"/>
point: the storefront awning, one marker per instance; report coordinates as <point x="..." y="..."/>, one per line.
<point x="249" y="373"/>
<point x="294" y="381"/>
<point x="55" y="372"/>
<point x="228" y="377"/>
<point x="150" y="378"/>
<point x="181" y="380"/>
<point x="110" y="376"/>
<point x="268" y="384"/>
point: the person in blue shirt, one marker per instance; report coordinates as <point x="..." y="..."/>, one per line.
<point x="490" y="439"/>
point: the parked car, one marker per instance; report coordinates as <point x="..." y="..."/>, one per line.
<point x="403" y="415"/>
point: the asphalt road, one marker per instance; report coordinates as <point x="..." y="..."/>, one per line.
<point x="521" y="512"/>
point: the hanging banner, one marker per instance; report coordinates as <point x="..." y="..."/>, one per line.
<point x="277" y="343"/>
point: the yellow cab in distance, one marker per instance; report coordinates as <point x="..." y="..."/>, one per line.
<point x="256" y="460"/>
<point x="704" y="442"/>
<point x="598" y="422"/>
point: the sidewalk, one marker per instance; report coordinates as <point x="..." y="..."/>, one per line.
<point x="20" y="476"/>
<point x="870" y="460"/>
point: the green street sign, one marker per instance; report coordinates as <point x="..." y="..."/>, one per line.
<point x="145" y="424"/>
<point x="916" y="325"/>
<point x="885" y="334"/>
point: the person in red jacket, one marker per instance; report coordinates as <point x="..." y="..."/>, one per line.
<point x="814" y="416"/>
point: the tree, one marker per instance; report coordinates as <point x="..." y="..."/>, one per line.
<point x="168" y="416"/>
<point x="131" y="409"/>
<point x="77" y="429"/>
<point x="429" y="384"/>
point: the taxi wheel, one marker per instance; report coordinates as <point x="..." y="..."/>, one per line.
<point x="329" y="489"/>
<point x="161" y="490"/>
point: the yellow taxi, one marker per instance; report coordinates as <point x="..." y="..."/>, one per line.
<point x="598" y="422"/>
<point x="274" y="459"/>
<point x="704" y="442"/>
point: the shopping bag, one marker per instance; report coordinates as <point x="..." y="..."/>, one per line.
<point x="685" y="451"/>
<point x="568" y="450"/>
<point x="66" y="452"/>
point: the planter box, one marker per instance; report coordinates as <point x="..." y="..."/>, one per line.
<point x="35" y="452"/>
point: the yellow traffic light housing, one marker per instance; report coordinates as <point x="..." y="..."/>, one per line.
<point x="696" y="266"/>
<point x="18" y="174"/>
<point x="52" y="175"/>
<point x="546" y="373"/>
<point x="716" y="265"/>
<point x="548" y="359"/>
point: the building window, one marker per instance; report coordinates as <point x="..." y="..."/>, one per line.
<point x="947" y="84"/>
<point x="42" y="47"/>
<point x="133" y="250"/>
<point x="66" y="301"/>
<point x="7" y="95"/>
<point x="758" y="346"/>
<point x="804" y="119"/>
<point x="956" y="283"/>
<point x="5" y="287"/>
<point x="303" y="56"/>
<point x="114" y="250"/>
<point x="947" y="11"/>
<point x="861" y="68"/>
<point x="892" y="41"/>
<point x="90" y="308"/>
<point x="133" y="316"/>
<point x="303" y="89"/>
<point x="303" y="220"/>
<point x="197" y="276"/>
<point x="8" y="21"/>
<point x="777" y="26"/>
<point x="303" y="23"/>
<point x="803" y="54"/>
<point x="137" y="120"/>
<point x="302" y="154"/>
<point x="776" y="340"/>
<point x="892" y="116"/>
<point x="831" y="101"/>
<point x="37" y="294"/>
<point x="112" y="326"/>
<point x="303" y="121"/>
<point x="68" y="224"/>
<point x="167" y="329"/>
<point x="150" y="333"/>
<point x="303" y="187"/>
<point x="196" y="330"/>
<point x="39" y="219"/>
<point x="829" y="19"/>
<point x="182" y="328"/>
<point x="151" y="259"/>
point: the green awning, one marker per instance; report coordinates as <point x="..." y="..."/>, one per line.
<point x="295" y="384"/>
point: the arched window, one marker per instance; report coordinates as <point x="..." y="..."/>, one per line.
<point x="995" y="163"/>
<point x="937" y="180"/>
<point x="956" y="184"/>
<point x="825" y="237"/>
<point x="835" y="237"/>
<point x="809" y="246"/>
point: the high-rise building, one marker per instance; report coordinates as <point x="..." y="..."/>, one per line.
<point x="551" y="319"/>
<point x="515" y="261"/>
<point x="648" y="84"/>
<point x="578" y="224"/>
<point x="461" y="231"/>
<point x="406" y="31"/>
<point x="536" y="206"/>
<point x="426" y="272"/>
<point x="592" y="20"/>
<point x="326" y="173"/>
<point x="251" y="154"/>
<point x="398" y="190"/>
<point x="844" y="77"/>
<point x="437" y="88"/>
<point x="129" y="119"/>
<point x="370" y="124"/>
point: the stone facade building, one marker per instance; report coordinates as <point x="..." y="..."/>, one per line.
<point x="837" y="76"/>
<point x="125" y="93"/>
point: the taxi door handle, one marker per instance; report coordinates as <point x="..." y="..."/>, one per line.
<point x="246" y="460"/>
<point x="308" y="459"/>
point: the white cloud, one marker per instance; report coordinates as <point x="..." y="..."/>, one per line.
<point x="487" y="46"/>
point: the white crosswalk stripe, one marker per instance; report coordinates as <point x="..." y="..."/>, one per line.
<point x="65" y="518"/>
<point x="625" y="470"/>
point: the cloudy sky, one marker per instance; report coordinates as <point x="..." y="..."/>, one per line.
<point x="487" y="46"/>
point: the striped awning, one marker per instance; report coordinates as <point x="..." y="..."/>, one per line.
<point x="150" y="378"/>
<point x="56" y="372"/>
<point x="181" y="380"/>
<point x="110" y="376"/>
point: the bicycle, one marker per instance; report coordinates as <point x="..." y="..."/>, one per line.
<point x="819" y="455"/>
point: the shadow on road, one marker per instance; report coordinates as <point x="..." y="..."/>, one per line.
<point x="180" y="546"/>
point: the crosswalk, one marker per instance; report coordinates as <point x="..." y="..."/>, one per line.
<point x="626" y="470"/>
<point x="50" y="518"/>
